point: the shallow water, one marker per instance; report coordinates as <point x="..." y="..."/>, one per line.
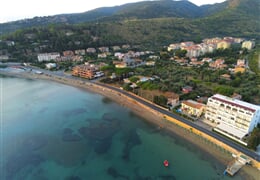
<point x="54" y="131"/>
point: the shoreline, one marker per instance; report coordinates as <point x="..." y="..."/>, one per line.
<point x="148" y="115"/>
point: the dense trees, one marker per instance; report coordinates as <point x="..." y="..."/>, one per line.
<point x="254" y="139"/>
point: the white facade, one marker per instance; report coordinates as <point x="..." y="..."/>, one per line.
<point x="48" y="56"/>
<point x="234" y="117"/>
<point x="248" y="45"/>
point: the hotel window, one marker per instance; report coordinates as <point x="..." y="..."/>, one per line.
<point x="241" y="111"/>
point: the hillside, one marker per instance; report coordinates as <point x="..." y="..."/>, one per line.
<point x="139" y="10"/>
<point x="234" y="20"/>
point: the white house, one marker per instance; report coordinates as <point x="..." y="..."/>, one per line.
<point x="48" y="56"/>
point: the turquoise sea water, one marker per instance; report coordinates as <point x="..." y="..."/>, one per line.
<point x="51" y="131"/>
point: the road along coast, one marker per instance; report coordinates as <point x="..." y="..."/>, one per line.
<point x="218" y="149"/>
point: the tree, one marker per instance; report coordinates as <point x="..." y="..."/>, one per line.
<point x="134" y="79"/>
<point x="254" y="139"/>
<point x="161" y="100"/>
<point x="180" y="53"/>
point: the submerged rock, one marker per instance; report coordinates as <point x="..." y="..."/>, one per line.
<point x="167" y="177"/>
<point x="132" y="140"/>
<point x="73" y="178"/>
<point x="113" y="172"/>
<point x="34" y="143"/>
<point x="69" y="135"/>
<point x="100" y="133"/>
<point x="74" y="112"/>
<point x="108" y="117"/>
<point x="18" y="162"/>
<point x="102" y="146"/>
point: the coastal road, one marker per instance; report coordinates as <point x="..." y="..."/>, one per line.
<point x="230" y="143"/>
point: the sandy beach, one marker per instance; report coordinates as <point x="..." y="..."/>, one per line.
<point x="156" y="118"/>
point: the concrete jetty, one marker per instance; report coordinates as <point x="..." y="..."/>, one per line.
<point x="237" y="164"/>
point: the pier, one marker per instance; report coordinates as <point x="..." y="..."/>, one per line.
<point x="237" y="164"/>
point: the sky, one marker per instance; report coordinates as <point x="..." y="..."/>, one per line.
<point x="12" y="10"/>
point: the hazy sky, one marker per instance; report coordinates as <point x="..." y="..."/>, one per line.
<point x="20" y="9"/>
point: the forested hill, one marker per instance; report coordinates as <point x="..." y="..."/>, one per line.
<point x="238" y="18"/>
<point x="139" y="10"/>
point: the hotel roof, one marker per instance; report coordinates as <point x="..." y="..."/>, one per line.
<point x="236" y="102"/>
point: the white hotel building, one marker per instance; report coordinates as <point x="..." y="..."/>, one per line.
<point x="235" y="118"/>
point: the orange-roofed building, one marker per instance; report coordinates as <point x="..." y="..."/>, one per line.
<point x="192" y="108"/>
<point x="239" y="69"/>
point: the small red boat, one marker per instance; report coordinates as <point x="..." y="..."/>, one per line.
<point x="165" y="163"/>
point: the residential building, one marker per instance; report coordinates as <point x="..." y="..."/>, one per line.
<point x="241" y="63"/>
<point x="91" y="50"/>
<point x="77" y="58"/>
<point x="248" y="45"/>
<point x="81" y="52"/>
<point x="192" y="108"/>
<point x="212" y="40"/>
<point x="223" y="44"/>
<point x="187" y="89"/>
<point x="68" y="53"/>
<point x="102" y="55"/>
<point x="235" y="118"/>
<point x="85" y="71"/>
<point x="186" y="44"/>
<point x="154" y="57"/>
<point x="50" y="65"/>
<point x="193" y="51"/>
<point x="4" y="57"/>
<point x="173" y="99"/>
<point x="116" y="48"/>
<point x="120" y="64"/>
<point x="174" y="47"/>
<point x="119" y="55"/>
<point x="218" y="64"/>
<point x="103" y="49"/>
<point x="48" y="56"/>
<point x="150" y="63"/>
<point x="207" y="60"/>
<point x="226" y="77"/>
<point x="126" y="46"/>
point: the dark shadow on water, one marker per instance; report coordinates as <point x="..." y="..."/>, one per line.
<point x="73" y="178"/>
<point x="107" y="100"/>
<point x="74" y="112"/>
<point x="115" y="174"/>
<point x="19" y="161"/>
<point x="99" y="133"/>
<point x="131" y="139"/>
<point x="69" y="135"/>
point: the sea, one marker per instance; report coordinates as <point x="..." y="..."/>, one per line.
<point x="52" y="131"/>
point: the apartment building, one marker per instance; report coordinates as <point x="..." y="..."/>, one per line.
<point x="48" y="56"/>
<point x="223" y="44"/>
<point x="235" y="118"/>
<point x="248" y="45"/>
<point x="85" y="71"/>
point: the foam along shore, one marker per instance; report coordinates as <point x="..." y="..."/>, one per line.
<point x="148" y="114"/>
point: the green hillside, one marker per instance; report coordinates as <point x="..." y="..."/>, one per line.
<point x="238" y="19"/>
